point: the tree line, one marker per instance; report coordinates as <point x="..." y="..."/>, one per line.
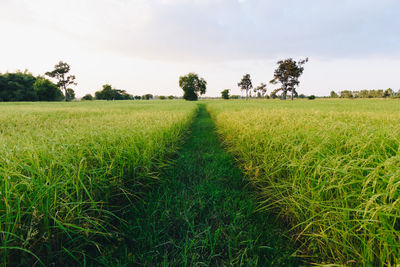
<point x="379" y="93"/>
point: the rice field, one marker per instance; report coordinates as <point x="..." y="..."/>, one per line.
<point x="70" y="170"/>
<point x="329" y="168"/>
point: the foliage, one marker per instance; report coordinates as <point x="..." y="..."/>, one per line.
<point x="245" y="84"/>
<point x="71" y="94"/>
<point x="311" y="97"/>
<point x="288" y="74"/>
<point x="147" y="97"/>
<point x="225" y="94"/>
<point x="162" y="97"/>
<point x="137" y="97"/>
<point x="380" y="93"/>
<point x="46" y="90"/>
<point x="87" y="97"/>
<point x="328" y="167"/>
<point x="333" y="94"/>
<point x="71" y="170"/>
<point x="60" y="73"/>
<point x="171" y="97"/>
<point x="261" y="90"/>
<point x="235" y="96"/>
<point x="192" y="86"/>
<point x="108" y="93"/>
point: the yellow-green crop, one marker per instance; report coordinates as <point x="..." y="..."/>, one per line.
<point x="329" y="167"/>
<point x="68" y="170"/>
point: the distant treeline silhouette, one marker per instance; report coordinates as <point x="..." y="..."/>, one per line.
<point x="379" y="93"/>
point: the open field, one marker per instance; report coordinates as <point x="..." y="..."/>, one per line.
<point x="328" y="167"/>
<point x="69" y="170"/>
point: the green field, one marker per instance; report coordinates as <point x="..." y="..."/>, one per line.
<point x="69" y="171"/>
<point x="328" y="167"/>
<point x="150" y="183"/>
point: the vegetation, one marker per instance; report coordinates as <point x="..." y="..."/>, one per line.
<point x="23" y="86"/>
<point x="380" y="93"/>
<point x="245" y="84"/>
<point x="202" y="214"/>
<point x="225" y="94"/>
<point x="288" y="74"/>
<point x="87" y="97"/>
<point x="64" y="80"/>
<point x="108" y="93"/>
<point x="261" y="90"/>
<point x="328" y="167"/>
<point x="71" y="170"/>
<point x="192" y="86"/>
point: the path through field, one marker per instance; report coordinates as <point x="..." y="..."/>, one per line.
<point x="203" y="214"/>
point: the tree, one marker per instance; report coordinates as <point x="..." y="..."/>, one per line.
<point x="60" y="73"/>
<point x="245" y="84"/>
<point x="225" y="94"/>
<point x="46" y="90"/>
<point x="108" y="93"/>
<point x="192" y="85"/>
<point x="388" y="93"/>
<point x="334" y="94"/>
<point x="346" y="94"/>
<point x="147" y="97"/>
<point x="17" y="87"/>
<point x="137" y="97"/>
<point x="261" y="89"/>
<point x="162" y="97"/>
<point x="70" y="94"/>
<point x="87" y="97"/>
<point x="288" y="74"/>
<point x="171" y="97"/>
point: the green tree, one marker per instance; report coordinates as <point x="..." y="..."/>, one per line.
<point x="60" y="73"/>
<point x="346" y="94"/>
<point x="225" y="94"/>
<point x="245" y="84"/>
<point x="388" y="93"/>
<point x="162" y="97"/>
<point x="87" y="97"/>
<point x="261" y="90"/>
<point x="192" y="85"/>
<point x="147" y="97"/>
<point x="171" y="97"/>
<point x="17" y="87"/>
<point x="70" y="94"/>
<point x="288" y="74"/>
<point x="334" y="94"/>
<point x="46" y="90"/>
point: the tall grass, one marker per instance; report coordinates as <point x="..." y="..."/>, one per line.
<point x="331" y="168"/>
<point x="69" y="170"/>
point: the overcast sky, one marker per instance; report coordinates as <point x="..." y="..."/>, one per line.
<point x="143" y="46"/>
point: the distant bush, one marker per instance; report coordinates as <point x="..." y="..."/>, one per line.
<point x="311" y="97"/>
<point x="161" y="97"/>
<point x="87" y="97"/>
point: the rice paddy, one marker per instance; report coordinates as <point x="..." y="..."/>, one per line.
<point x="148" y="183"/>
<point x="330" y="168"/>
<point x="70" y="170"/>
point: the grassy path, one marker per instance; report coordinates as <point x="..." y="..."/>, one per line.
<point x="202" y="214"/>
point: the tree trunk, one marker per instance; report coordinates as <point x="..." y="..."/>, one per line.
<point x="66" y="94"/>
<point x="284" y="94"/>
<point x="292" y="93"/>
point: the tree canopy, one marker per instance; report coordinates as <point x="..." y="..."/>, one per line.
<point x="245" y="84"/>
<point x="225" y="94"/>
<point x="288" y="74"/>
<point x="108" y="93"/>
<point x="60" y="73"/>
<point x="192" y="85"/>
<point x="23" y="86"/>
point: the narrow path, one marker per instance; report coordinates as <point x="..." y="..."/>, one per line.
<point x="203" y="214"/>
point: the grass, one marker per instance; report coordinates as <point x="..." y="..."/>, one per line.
<point x="201" y="214"/>
<point x="70" y="170"/>
<point x="328" y="167"/>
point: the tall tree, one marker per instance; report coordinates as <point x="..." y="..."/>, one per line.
<point x="60" y="73"/>
<point x="334" y="94"/>
<point x="261" y="89"/>
<point x="245" y="84"/>
<point x="192" y="85"/>
<point x="288" y="74"/>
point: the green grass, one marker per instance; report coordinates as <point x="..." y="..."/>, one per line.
<point x="69" y="171"/>
<point x="328" y="167"/>
<point x="202" y="213"/>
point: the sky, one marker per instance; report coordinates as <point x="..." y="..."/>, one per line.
<point x="143" y="46"/>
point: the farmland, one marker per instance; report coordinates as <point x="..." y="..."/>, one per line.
<point x="330" y="168"/>
<point x="218" y="182"/>
<point x="69" y="170"/>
